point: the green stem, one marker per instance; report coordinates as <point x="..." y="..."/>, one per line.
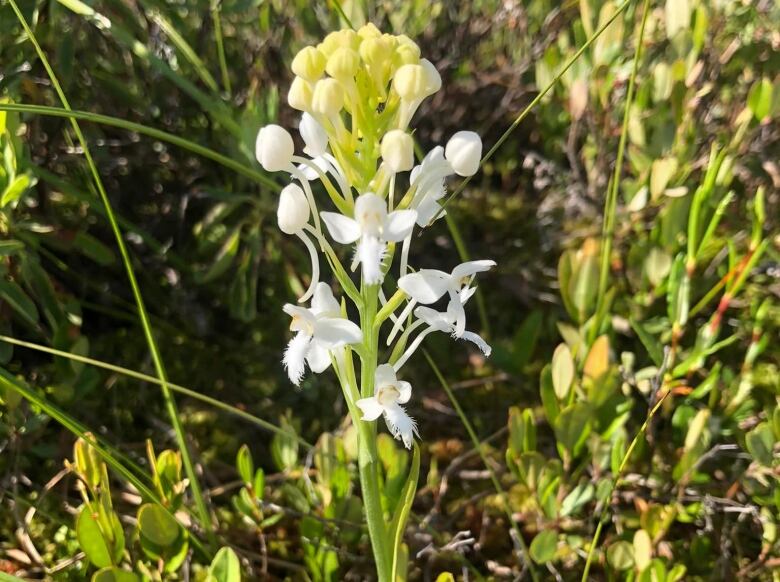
<point x="610" y="209"/>
<point x="368" y="457"/>
<point x="170" y="403"/>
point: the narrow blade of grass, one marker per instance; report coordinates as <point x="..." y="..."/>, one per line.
<point x="153" y="380"/>
<point x="524" y="113"/>
<point x="216" y="6"/>
<point x="152" y="132"/>
<point x="170" y="403"/>
<point x="215" y="108"/>
<point x="478" y="446"/>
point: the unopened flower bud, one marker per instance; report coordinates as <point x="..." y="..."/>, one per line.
<point x="300" y="94"/>
<point x="398" y="150"/>
<point x="409" y="82"/>
<point x="463" y="152"/>
<point x="328" y="98"/>
<point x="375" y="51"/>
<point x="274" y="148"/>
<point x="369" y="31"/>
<point x="293" y="211"/>
<point x="407" y="51"/>
<point x="314" y="136"/>
<point x="341" y="38"/>
<point x="343" y="64"/>
<point x="309" y="63"/>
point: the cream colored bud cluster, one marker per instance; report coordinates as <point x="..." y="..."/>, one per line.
<point x="377" y="80"/>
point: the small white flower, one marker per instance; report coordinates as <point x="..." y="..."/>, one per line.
<point x="274" y="148"/>
<point x="464" y="151"/>
<point x="318" y="330"/>
<point x="443" y="322"/>
<point x="427" y="286"/>
<point x="373" y="227"/>
<point x="389" y="394"/>
<point x="428" y="179"/>
<point x="314" y="136"/>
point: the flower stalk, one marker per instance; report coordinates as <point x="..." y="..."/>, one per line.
<point x="358" y="91"/>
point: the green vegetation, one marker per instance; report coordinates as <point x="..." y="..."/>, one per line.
<point x="626" y="425"/>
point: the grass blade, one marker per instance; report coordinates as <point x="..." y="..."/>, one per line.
<point x="148" y="131"/>
<point x="478" y="446"/>
<point x="170" y="403"/>
<point x="153" y="380"/>
<point x="524" y="113"/>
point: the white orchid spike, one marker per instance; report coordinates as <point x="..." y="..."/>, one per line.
<point x="427" y="286"/>
<point x="444" y="322"/>
<point x="389" y="394"/>
<point x="319" y="330"/>
<point x="372" y="228"/>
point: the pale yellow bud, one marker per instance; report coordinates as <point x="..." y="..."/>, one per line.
<point x="410" y="82"/>
<point x="407" y="54"/>
<point x="398" y="150"/>
<point x="328" y="98"/>
<point x="369" y="31"/>
<point x="300" y="94"/>
<point x="341" y="38"/>
<point x="343" y="64"/>
<point x="375" y="51"/>
<point x="309" y="63"/>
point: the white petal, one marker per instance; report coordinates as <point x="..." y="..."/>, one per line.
<point x="370" y="407"/>
<point x="471" y="267"/>
<point x="455" y="310"/>
<point x="398" y="225"/>
<point x="401" y="425"/>
<point x="295" y="357"/>
<point x="318" y="357"/>
<point x="405" y="390"/>
<point x="478" y="341"/>
<point x="436" y="319"/>
<point x="383" y="376"/>
<point x="370" y="253"/>
<point x="333" y="332"/>
<point x="306" y="317"/>
<point x="426" y="285"/>
<point x="324" y="303"/>
<point x="427" y="209"/>
<point x="343" y="229"/>
<point x="466" y="293"/>
<point x="314" y="136"/>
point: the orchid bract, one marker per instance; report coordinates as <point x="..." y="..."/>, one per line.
<point x="358" y="93"/>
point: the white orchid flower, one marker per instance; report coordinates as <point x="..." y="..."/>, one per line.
<point x="444" y="322"/>
<point x="372" y="228"/>
<point x="427" y="286"/>
<point x="292" y="216"/>
<point x="389" y="394"/>
<point x="319" y="330"/>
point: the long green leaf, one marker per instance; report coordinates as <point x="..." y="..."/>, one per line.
<point x="153" y="380"/>
<point x="216" y="109"/>
<point x="478" y="446"/>
<point x="401" y="514"/>
<point x="170" y="403"/>
<point x="145" y="130"/>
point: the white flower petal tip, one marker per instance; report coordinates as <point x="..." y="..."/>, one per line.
<point x="274" y="148"/>
<point x="389" y="394"/>
<point x="464" y="151"/>
<point x="293" y="211"/>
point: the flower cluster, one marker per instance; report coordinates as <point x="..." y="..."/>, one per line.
<point x="358" y="92"/>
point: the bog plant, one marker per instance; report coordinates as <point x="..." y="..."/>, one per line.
<point x="358" y="92"/>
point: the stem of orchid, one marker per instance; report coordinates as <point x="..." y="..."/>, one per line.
<point x="340" y="201"/>
<point x="368" y="458"/>
<point x="388" y="309"/>
<point x="315" y="265"/>
<point x="405" y="255"/>
<point x="399" y="323"/>
<point x="298" y="175"/>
